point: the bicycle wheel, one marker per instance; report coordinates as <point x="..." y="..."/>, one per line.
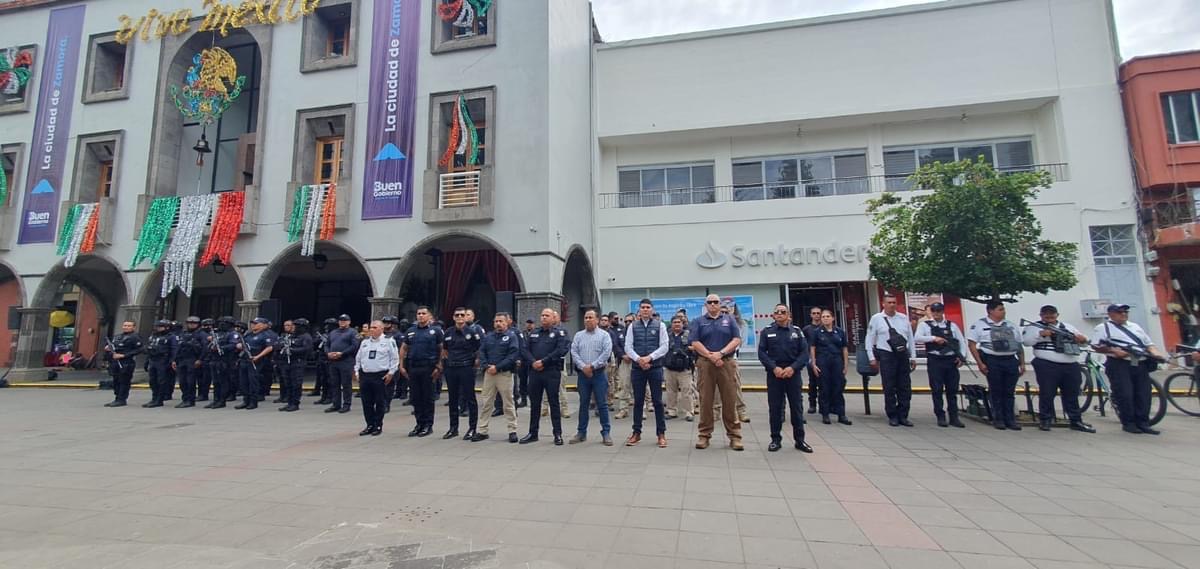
<point x="1158" y="402"/>
<point x="1088" y="385"/>
<point x="1183" y="391"/>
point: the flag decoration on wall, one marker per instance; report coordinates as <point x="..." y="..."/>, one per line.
<point x="464" y="138"/>
<point x="179" y="269"/>
<point x="314" y="216"/>
<point x="462" y="13"/>
<point x="3" y="186"/>
<point x="225" y="227"/>
<point x="78" y="234"/>
<point x="15" y="64"/>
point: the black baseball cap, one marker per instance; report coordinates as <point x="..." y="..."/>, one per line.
<point x="937" y="307"/>
<point x="1118" y="308"/>
<point x="529" y="321"/>
<point x="1048" y="309"/>
<point x="344" y="317"/>
<point x="260" y="320"/>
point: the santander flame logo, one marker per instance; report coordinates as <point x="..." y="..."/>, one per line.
<point x="711" y="258"/>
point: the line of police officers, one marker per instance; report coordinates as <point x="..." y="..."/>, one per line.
<point x="232" y="359"/>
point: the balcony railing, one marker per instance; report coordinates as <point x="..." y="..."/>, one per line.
<point x="787" y="190"/>
<point x="458" y="189"/>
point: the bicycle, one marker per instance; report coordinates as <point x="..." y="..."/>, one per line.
<point x="1095" y="384"/>
<point x="1183" y="388"/>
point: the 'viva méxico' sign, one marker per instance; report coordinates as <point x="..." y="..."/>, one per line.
<point x="218" y="17"/>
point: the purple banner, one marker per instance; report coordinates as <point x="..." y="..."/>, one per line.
<point x="51" y="126"/>
<point x="391" y="109"/>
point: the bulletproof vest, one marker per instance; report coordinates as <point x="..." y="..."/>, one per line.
<point x="159" y="346"/>
<point x="677" y="358"/>
<point x="943" y="331"/>
<point x="1003" y="339"/>
<point x="645" y="338"/>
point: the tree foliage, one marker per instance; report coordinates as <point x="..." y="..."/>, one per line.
<point x="974" y="235"/>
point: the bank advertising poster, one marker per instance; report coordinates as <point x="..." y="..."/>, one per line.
<point x="743" y="312"/>
<point x="51" y="126"/>
<point x="391" y="110"/>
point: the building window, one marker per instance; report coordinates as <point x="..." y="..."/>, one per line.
<point x="459" y="180"/>
<point x="329" y="166"/>
<point x="1003" y="155"/>
<point x="107" y="75"/>
<point x="476" y="114"/>
<point x="97" y="167"/>
<point x="666" y="185"/>
<point x="810" y="176"/>
<point x="105" y="179"/>
<point x="1181" y="114"/>
<point x="458" y="24"/>
<point x="1113" y="244"/>
<point x="330" y="36"/>
<point x="17" y="82"/>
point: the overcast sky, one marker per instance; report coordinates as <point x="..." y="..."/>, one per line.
<point x="1144" y="26"/>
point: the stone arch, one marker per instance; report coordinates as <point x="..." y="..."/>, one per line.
<point x="148" y="294"/>
<point x="8" y="273"/>
<point x="414" y="253"/>
<point x="99" y="275"/>
<point x="578" y="285"/>
<point x="418" y="278"/>
<point x="291" y="254"/>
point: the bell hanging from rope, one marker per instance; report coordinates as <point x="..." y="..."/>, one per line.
<point x="202" y="147"/>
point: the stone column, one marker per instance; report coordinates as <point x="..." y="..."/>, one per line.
<point x="248" y="310"/>
<point x="384" y="306"/>
<point x="530" y="305"/>
<point x="32" y="340"/>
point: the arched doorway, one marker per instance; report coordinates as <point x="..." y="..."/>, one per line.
<point x="12" y="297"/>
<point x="578" y="288"/>
<point x="332" y="281"/>
<point x="456" y="269"/>
<point x="216" y="290"/>
<point x="93" y="291"/>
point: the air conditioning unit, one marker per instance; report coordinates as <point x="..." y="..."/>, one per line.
<point x="1151" y="256"/>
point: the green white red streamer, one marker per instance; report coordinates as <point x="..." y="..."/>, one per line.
<point x="464" y="138"/>
<point x="78" y="234"/>
<point x="180" y="266"/>
<point x="313" y="216"/>
<point x="152" y="242"/>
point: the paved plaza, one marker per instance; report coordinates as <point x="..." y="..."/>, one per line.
<point x="89" y="487"/>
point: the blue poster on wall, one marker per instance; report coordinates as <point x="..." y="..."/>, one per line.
<point x="743" y="311"/>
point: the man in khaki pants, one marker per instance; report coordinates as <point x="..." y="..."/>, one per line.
<point x="679" y="364"/>
<point x="715" y="337"/>
<point x="498" y="357"/>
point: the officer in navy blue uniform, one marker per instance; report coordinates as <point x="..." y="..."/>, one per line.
<point x="461" y="345"/>
<point x="291" y="362"/>
<point x="160" y="353"/>
<point x="204" y="382"/>
<point x="223" y="363"/>
<point x="783" y="351"/>
<point x="341" y="350"/>
<point x="192" y="342"/>
<point x="544" y="354"/>
<point x="121" y="355"/>
<point x="421" y="363"/>
<point x="256" y="348"/>
<point x="830" y="352"/>
<point x="498" y="355"/>
<point x="320" y="343"/>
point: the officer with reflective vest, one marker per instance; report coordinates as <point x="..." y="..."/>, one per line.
<point x="187" y="364"/>
<point x="784" y="353"/>
<point x="1056" y="349"/>
<point x="160" y="353"/>
<point x="996" y="345"/>
<point x="944" y="354"/>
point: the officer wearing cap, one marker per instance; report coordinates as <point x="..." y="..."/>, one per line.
<point x="944" y="354"/>
<point x="1056" y="366"/>
<point x="160" y="352"/>
<point x="292" y="360"/>
<point x="400" y="382"/>
<point x="223" y="363"/>
<point x="995" y="344"/>
<point x="204" y="379"/>
<point x="187" y="366"/>
<point x="783" y="351"/>
<point x="122" y="354"/>
<point x="340" y="351"/>
<point x="461" y="345"/>
<point x="1130" y="357"/>
<point x="320" y="343"/>
<point x="254" y="350"/>
<point x="421" y="361"/>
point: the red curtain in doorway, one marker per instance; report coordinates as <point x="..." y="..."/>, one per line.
<point x="459" y="266"/>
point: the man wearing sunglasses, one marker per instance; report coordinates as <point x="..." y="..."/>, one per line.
<point x="783" y="351"/>
<point x="461" y="346"/>
<point x="810" y="330"/>
<point x="715" y="337"/>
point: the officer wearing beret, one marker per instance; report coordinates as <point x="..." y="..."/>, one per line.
<point x="784" y="353"/>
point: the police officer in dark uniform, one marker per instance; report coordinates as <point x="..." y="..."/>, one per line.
<point x="544" y="354"/>
<point x="242" y="329"/>
<point x="122" y="354"/>
<point x="944" y="354"/>
<point x="784" y="352"/>
<point x="421" y="362"/>
<point x="829" y="353"/>
<point x="522" y="384"/>
<point x="814" y="382"/>
<point x="320" y="343"/>
<point x="204" y="379"/>
<point x="291" y="360"/>
<point x="192" y="342"/>
<point x="256" y="350"/>
<point x="341" y="351"/>
<point x="461" y="345"/>
<point x="390" y="331"/>
<point x="160" y="353"/>
<point x="223" y="362"/>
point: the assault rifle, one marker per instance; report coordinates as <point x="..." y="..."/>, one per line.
<point x="1063" y="340"/>
<point x="287" y="348"/>
<point x="110" y="356"/>
<point x="1137" y="354"/>
<point x="214" y="345"/>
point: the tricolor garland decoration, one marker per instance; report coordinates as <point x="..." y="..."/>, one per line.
<point x="225" y="227"/>
<point x="14" y="69"/>
<point x="462" y="13"/>
<point x="180" y="265"/>
<point x="152" y="241"/>
<point x="78" y="234"/>
<point x="314" y="212"/>
<point x="464" y="138"/>
<point x="3" y="186"/>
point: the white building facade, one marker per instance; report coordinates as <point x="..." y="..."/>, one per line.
<point x="735" y="161"/>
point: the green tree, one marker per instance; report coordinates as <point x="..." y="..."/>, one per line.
<point x="974" y="235"/>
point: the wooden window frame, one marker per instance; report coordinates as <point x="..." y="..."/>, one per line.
<point x="104" y="179"/>
<point x="337" y="164"/>
<point x="342" y="25"/>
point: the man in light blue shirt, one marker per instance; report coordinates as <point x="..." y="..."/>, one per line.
<point x="590" y="351"/>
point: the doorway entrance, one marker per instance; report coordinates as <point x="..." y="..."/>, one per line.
<point x="848" y="300"/>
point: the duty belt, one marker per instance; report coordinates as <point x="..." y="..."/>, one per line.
<point x="468" y="363"/>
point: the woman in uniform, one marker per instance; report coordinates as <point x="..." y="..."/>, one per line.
<point x="830" y="353"/>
